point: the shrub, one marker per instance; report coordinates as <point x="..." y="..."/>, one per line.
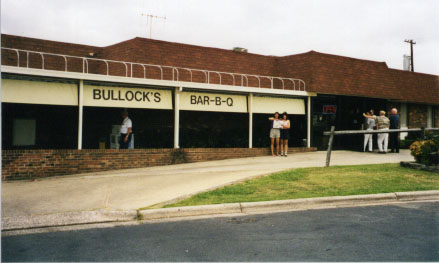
<point x="423" y="151"/>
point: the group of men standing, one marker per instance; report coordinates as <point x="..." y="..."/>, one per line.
<point x="382" y="123"/>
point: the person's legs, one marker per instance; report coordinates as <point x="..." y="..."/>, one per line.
<point x="122" y="143"/>
<point x="397" y="142"/>
<point x="129" y="141"/>
<point x="277" y="146"/>
<point x="380" y="141"/>
<point x="386" y="141"/>
<point x="281" y="147"/>
<point x="286" y="148"/>
<point x="367" y="138"/>
<point x="392" y="142"/>
<point x="272" y="146"/>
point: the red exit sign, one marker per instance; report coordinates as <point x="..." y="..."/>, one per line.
<point x="329" y="109"/>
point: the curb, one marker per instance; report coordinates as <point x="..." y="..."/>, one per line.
<point x="418" y="196"/>
<point x="309" y="203"/>
<point x="190" y="211"/>
<point x="105" y="216"/>
<point x="287" y="205"/>
<point x="66" y="219"/>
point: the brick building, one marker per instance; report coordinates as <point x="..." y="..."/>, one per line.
<point x="67" y="96"/>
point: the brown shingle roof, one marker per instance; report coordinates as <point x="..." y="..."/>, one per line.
<point x="332" y="74"/>
<point x="322" y="73"/>
<point x="182" y="55"/>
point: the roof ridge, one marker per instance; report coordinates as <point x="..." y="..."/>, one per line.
<point x="346" y="57"/>
<point x="420" y="73"/>
<point x="197" y="46"/>
<point x="49" y="40"/>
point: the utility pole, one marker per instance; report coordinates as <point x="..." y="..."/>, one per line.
<point x="412" y="67"/>
<point x="150" y="21"/>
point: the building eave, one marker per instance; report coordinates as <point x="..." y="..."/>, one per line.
<point x="154" y="82"/>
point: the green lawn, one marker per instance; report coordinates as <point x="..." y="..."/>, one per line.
<point x="320" y="182"/>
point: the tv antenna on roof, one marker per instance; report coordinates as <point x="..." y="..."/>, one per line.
<point x="150" y="21"/>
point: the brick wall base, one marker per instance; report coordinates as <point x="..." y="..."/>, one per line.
<point x="27" y="164"/>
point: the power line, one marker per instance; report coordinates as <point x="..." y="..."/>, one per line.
<point x="412" y="67"/>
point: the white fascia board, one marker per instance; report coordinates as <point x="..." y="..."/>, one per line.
<point x="153" y="82"/>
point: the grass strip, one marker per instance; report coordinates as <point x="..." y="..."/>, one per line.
<point x="320" y="182"/>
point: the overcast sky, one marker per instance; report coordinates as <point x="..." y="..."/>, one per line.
<point x="366" y="29"/>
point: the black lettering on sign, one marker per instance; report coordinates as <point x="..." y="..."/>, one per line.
<point x="157" y="97"/>
<point x="112" y="95"/>
<point x="97" y="94"/>
<point x="200" y="100"/>
<point x="108" y="95"/>
<point x="129" y="95"/>
<point x="136" y="97"/>
<point x="119" y="97"/>
<point x="206" y="100"/>
<point x="145" y="96"/>
<point x="193" y="99"/>
<point x="218" y="101"/>
<point x="229" y="102"/>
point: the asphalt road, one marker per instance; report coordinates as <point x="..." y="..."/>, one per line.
<point x="404" y="232"/>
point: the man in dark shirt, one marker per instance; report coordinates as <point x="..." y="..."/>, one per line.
<point x="394" y="124"/>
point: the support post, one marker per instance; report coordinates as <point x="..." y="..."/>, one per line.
<point x="422" y="132"/>
<point x="250" y="120"/>
<point x="331" y="139"/>
<point x="308" y="124"/>
<point x="177" y="117"/>
<point x="80" y="113"/>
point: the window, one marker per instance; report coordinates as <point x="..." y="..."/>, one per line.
<point x="23" y="132"/>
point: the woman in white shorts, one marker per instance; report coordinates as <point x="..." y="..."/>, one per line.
<point x="276" y="124"/>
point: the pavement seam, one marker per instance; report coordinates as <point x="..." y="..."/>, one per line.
<point x="396" y="195"/>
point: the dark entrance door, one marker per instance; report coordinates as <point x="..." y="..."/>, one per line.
<point x="345" y="113"/>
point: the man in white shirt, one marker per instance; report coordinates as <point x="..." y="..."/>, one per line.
<point x="125" y="131"/>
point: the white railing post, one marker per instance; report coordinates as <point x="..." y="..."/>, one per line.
<point x="18" y="58"/>
<point x="308" y="123"/>
<point x="65" y="60"/>
<point x="80" y="112"/>
<point x="177" y="117"/>
<point x="42" y="59"/>
<point x="250" y="120"/>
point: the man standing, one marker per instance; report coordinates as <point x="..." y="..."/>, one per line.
<point x="383" y="124"/>
<point x="394" y="124"/>
<point x="125" y="131"/>
<point x="370" y="126"/>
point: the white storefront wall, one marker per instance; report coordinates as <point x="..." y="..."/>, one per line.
<point x="39" y="92"/>
<point x="53" y="93"/>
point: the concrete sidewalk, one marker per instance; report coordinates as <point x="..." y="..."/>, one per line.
<point x="124" y="190"/>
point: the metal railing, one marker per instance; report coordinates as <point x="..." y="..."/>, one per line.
<point x="350" y="132"/>
<point x="238" y="79"/>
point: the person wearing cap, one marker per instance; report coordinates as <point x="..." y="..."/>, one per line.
<point x="125" y="131"/>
